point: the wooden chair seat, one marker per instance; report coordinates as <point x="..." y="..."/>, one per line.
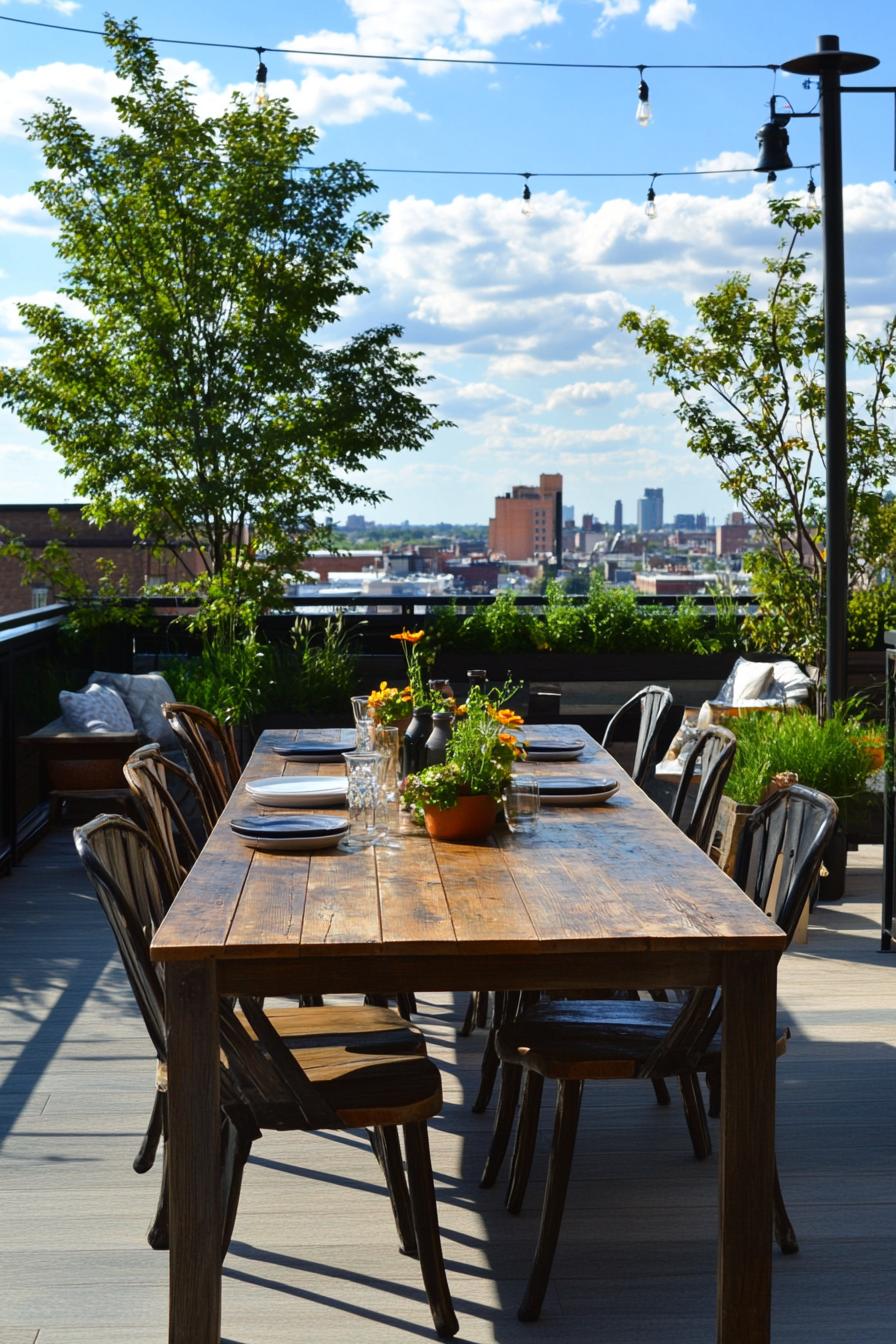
<point x="585" y="1039"/>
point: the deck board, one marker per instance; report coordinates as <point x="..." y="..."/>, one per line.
<point x="314" y="1258"/>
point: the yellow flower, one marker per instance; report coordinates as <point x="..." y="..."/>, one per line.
<point x="408" y="636"/>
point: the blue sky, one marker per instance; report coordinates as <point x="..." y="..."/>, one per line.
<point x="517" y="315"/>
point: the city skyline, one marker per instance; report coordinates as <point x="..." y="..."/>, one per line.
<point x="517" y="314"/>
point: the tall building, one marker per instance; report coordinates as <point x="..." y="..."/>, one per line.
<point x="528" y="520"/>
<point x="650" y="510"/>
<point x="617" y="516"/>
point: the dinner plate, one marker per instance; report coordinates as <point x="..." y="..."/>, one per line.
<point x="315" y="750"/>
<point x="554" y="753"/>
<point x="298" y="790"/>
<point x="552" y="784"/>
<point x="540" y="744"/>
<point x="581" y="799"/>
<point x="289" y="834"/>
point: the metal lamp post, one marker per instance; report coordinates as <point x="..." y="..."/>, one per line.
<point x="828" y="63"/>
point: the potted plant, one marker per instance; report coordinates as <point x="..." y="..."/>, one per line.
<point x="459" y="800"/>
<point x="835" y="756"/>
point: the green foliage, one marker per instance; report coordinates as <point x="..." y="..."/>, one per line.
<point x="184" y="380"/>
<point x="833" y="756"/>
<point x="230" y="678"/>
<point x="749" y="391"/>
<point x="611" y="620"/>
<point x="95" y="606"/>
<point x="317" y="674"/>
<point x="479" y="754"/>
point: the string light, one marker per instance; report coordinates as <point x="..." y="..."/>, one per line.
<point x="261" y="79"/>
<point x="643" y="115"/>
<point x="650" y="207"/>
<point x="394" y="56"/>
<point x="527" y="195"/>
<point x="810" y="187"/>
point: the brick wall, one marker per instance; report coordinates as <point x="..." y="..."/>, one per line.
<point x="87" y="545"/>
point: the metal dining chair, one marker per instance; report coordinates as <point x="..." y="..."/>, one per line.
<point x="714" y="750"/>
<point x="283" y="1069"/>
<point x="655" y="705"/>
<point x="572" y="1041"/>
<point x="173" y="807"/>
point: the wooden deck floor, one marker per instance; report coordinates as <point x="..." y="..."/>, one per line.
<point x="313" y="1259"/>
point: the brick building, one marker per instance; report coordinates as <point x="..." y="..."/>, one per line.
<point x="86" y="544"/>
<point x="526" y="520"/>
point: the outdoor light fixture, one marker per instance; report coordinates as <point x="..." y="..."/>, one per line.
<point x="773" y="141"/>
<point x="261" y="79"/>
<point x="650" y="207"/>
<point x="643" y="115"/>
<point x="527" y="196"/>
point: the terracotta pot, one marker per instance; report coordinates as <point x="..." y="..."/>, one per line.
<point x="471" y="818"/>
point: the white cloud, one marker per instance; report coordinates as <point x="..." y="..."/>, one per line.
<point x="58" y="6"/>
<point x="727" y="162"/>
<point x="668" y="14"/>
<point x="87" y="89"/>
<point x="614" y="9"/>
<point x="23" y="214"/>
<point x="582" y="394"/>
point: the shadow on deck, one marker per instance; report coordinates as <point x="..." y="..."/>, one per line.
<point x="313" y="1257"/>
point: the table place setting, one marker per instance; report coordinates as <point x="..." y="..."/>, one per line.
<point x="295" y="834"/>
<point x="299" y="791"/>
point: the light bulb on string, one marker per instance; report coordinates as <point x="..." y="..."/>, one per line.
<point x="810" y="190"/>
<point x="772" y="177"/>
<point x="643" y="114"/>
<point x="650" y="207"/>
<point x="261" y="80"/>
<point x="527" y="197"/>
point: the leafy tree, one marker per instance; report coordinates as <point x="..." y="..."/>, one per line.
<point x="192" y="381"/>
<point x="749" y="390"/>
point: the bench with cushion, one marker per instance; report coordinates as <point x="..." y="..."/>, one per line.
<point x="82" y="751"/>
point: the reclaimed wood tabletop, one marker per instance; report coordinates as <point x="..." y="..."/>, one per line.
<point x="613" y="895"/>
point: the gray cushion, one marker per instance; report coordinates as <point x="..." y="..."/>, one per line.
<point x="144" y="696"/>
<point x="789" y="684"/>
<point x="99" y="709"/>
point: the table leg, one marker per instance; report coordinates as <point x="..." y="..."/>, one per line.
<point x="746" y="1164"/>
<point x="194" y="1135"/>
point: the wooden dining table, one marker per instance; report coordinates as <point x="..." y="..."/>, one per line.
<point x="613" y="895"/>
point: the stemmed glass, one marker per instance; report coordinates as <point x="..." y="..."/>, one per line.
<point x="386" y="738"/>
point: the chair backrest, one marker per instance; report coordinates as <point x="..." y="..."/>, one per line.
<point x="656" y="705"/>
<point x="210" y="751"/>
<point x="778" y="862"/>
<point x="713" y="750"/>
<point x="132" y="880"/>
<point x="163" y="789"/>
<point x="780" y="851"/>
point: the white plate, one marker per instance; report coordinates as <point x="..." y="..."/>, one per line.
<point x="577" y="799"/>
<point x="298" y="790"/>
<point x="296" y="844"/>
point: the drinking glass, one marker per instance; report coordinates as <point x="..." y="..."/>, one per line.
<point x="365" y="734"/>
<point x="521" y="803"/>
<point x="360" y="708"/>
<point x="387" y="739"/>
<point x="363" y="771"/>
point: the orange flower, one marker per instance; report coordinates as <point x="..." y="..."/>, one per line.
<point x="408" y="636"/>
<point x="460" y="711"/>
<point x="507" y="717"/>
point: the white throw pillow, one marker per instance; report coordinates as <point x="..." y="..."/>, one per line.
<point x="751" y="681"/>
<point x="790" y="682"/>
<point x="99" y="709"/>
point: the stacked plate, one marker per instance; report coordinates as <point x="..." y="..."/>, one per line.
<point x="279" y="835"/>
<point x="315" y="749"/>
<point x="299" y="791"/>
<point x="544" y="749"/>
<point x="576" y="791"/>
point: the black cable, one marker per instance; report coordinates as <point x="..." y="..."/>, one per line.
<point x="371" y="56"/>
